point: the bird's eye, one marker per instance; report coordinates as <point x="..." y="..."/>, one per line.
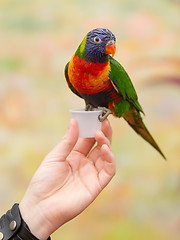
<point x="97" y="40"/>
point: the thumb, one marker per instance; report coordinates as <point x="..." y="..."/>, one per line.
<point x="66" y="145"/>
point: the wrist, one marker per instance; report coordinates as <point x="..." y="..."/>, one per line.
<point x="35" y="220"/>
<point x="13" y="226"/>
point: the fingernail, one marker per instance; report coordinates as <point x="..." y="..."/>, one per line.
<point x="101" y="133"/>
<point x="98" y="132"/>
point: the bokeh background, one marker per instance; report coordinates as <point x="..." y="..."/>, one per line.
<point x="37" y="39"/>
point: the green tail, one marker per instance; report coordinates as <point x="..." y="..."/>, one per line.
<point x="134" y="119"/>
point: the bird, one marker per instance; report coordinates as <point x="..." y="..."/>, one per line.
<point x="95" y="76"/>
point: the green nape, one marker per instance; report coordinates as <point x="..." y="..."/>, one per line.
<point x="81" y="49"/>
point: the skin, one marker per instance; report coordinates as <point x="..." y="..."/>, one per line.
<point x="68" y="180"/>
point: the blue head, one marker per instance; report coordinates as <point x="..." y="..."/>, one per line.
<point x="100" y="42"/>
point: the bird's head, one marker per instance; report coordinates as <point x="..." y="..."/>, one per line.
<point x="98" y="45"/>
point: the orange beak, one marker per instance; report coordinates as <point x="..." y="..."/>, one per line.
<point x="110" y="48"/>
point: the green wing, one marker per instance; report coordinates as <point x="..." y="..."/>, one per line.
<point x="123" y="85"/>
<point x="69" y="83"/>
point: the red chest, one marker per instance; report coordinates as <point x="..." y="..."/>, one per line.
<point x="87" y="77"/>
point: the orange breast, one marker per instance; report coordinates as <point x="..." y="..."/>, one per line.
<point x="87" y="77"/>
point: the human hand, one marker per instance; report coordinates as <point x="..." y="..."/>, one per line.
<point x="70" y="177"/>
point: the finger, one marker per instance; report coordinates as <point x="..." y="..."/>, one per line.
<point x="101" y="139"/>
<point x="109" y="168"/>
<point x="84" y="145"/>
<point x="63" y="149"/>
<point x="107" y="130"/>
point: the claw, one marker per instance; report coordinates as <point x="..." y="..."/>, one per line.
<point x="104" y="114"/>
<point x="88" y="107"/>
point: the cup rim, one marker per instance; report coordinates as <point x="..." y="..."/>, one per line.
<point x="82" y="110"/>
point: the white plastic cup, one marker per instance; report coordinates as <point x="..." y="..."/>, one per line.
<point x="88" y="121"/>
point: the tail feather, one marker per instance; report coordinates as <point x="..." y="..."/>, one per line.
<point x="134" y="119"/>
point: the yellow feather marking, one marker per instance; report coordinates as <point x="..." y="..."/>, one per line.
<point x="114" y="86"/>
<point x="83" y="43"/>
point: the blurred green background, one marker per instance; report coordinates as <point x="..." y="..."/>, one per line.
<point x="37" y="38"/>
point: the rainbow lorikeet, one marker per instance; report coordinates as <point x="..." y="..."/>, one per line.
<point x="102" y="82"/>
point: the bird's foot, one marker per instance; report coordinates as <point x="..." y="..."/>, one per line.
<point x="105" y="113"/>
<point x="89" y="107"/>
